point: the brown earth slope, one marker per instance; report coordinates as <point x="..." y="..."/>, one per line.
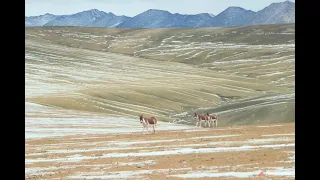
<point x="196" y="153"/>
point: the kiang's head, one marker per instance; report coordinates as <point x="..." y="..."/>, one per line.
<point x="195" y="115"/>
<point x="141" y="118"/>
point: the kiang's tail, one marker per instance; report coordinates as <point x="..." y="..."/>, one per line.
<point x="155" y="121"/>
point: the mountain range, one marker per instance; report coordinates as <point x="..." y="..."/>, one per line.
<point x="275" y="13"/>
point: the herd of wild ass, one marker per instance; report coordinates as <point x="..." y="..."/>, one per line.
<point x="207" y="119"/>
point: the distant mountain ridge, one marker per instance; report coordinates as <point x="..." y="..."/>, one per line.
<point x="39" y="20"/>
<point x="275" y="13"/>
<point x="232" y="16"/>
<point x="154" y="18"/>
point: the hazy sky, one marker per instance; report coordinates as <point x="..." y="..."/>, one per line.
<point x="134" y="7"/>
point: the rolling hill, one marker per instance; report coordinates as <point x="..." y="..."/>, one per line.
<point x="244" y="74"/>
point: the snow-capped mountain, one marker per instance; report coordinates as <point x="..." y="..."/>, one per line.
<point x="232" y="16"/>
<point x="79" y="19"/>
<point x="90" y="18"/>
<point x="109" y="20"/>
<point x="275" y="13"/>
<point x="151" y="18"/>
<point x="154" y="18"/>
<point x="39" y="20"/>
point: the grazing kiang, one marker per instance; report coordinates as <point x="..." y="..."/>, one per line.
<point x="200" y="119"/>
<point x="148" y="121"/>
<point x="212" y="118"/>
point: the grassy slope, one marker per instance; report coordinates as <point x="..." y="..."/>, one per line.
<point x="164" y="71"/>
